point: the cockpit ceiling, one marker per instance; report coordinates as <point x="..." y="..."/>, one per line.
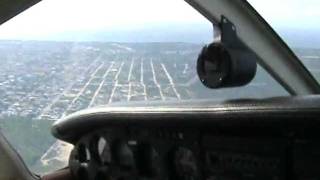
<point x="11" y="8"/>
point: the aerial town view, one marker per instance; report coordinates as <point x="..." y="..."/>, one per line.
<point x="48" y="80"/>
<point x="42" y="81"/>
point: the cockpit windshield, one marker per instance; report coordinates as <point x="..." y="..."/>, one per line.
<point x="62" y="56"/>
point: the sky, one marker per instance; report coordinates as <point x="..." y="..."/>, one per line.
<point x="298" y="14"/>
<point x="51" y="17"/>
<point x="55" y="16"/>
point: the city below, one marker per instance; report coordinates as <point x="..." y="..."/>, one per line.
<point x="45" y="81"/>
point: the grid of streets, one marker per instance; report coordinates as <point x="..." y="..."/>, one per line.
<point x="120" y="74"/>
<point x="50" y="80"/>
<point x="47" y="81"/>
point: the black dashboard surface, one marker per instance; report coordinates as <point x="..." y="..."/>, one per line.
<point x="275" y="138"/>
